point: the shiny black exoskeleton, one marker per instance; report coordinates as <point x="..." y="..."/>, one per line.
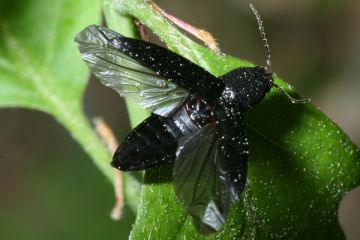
<point x="197" y="120"/>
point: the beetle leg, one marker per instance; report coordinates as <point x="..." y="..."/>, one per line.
<point x="142" y="30"/>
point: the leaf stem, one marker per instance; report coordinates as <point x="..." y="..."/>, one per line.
<point x="77" y="124"/>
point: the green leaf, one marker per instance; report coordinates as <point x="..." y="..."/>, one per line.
<point x="301" y="164"/>
<point x="41" y="69"/>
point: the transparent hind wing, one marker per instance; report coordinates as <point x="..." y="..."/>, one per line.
<point x="200" y="182"/>
<point x="127" y="76"/>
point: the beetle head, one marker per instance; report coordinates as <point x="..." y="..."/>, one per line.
<point x="246" y="86"/>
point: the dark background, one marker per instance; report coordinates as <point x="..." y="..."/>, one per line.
<point x="49" y="186"/>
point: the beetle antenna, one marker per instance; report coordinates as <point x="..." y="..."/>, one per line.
<point x="264" y="39"/>
<point x="268" y="58"/>
<point x="290" y="98"/>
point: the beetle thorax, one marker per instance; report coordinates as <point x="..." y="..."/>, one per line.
<point x="199" y="110"/>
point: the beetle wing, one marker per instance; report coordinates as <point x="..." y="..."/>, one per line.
<point x="126" y="75"/>
<point x="233" y="149"/>
<point x="199" y="180"/>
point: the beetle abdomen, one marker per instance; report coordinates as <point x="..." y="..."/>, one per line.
<point x="148" y="145"/>
<point x="156" y="140"/>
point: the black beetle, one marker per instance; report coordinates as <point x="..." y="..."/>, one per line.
<point x="197" y="120"/>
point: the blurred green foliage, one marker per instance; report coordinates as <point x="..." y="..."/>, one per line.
<point x="49" y="189"/>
